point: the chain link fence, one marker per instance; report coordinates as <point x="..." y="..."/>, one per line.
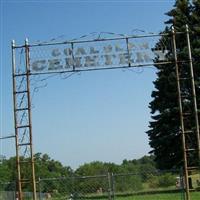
<point x="125" y="186"/>
<point x="8" y="191"/>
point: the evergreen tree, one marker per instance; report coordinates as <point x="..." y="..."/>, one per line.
<point x="195" y="40"/>
<point x="164" y="132"/>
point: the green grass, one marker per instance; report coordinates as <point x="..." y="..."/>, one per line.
<point x="153" y="197"/>
<point x="164" y="196"/>
<point x="172" y="196"/>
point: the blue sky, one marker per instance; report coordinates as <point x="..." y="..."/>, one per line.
<point x="93" y="115"/>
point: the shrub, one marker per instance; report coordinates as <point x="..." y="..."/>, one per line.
<point x="166" y="180"/>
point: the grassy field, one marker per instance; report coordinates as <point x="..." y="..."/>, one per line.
<point x="173" y="196"/>
<point x="165" y="196"/>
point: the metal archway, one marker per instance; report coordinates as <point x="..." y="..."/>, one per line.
<point x="89" y="55"/>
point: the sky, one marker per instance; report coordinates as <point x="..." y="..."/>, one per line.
<point x="90" y="116"/>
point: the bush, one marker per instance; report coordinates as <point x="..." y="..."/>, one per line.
<point x="153" y="182"/>
<point x="128" y="184"/>
<point x="166" y="180"/>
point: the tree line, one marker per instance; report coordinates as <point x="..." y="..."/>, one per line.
<point x="89" y="178"/>
<point x="47" y="167"/>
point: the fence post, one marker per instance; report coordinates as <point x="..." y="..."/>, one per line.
<point x="39" y="189"/>
<point x="113" y="185"/>
<point x="109" y="187"/>
<point x="182" y="184"/>
<point x="15" y="189"/>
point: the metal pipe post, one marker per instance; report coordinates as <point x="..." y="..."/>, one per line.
<point x="30" y="119"/>
<point x="109" y="187"/>
<point x="39" y="189"/>
<point x="113" y="186"/>
<point x="193" y="93"/>
<point x="181" y="115"/>
<point x="19" y="188"/>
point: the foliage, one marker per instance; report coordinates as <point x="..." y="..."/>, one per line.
<point x="138" y="169"/>
<point x="52" y="176"/>
<point x="166" y="180"/>
<point x="96" y="168"/>
<point x="129" y="183"/>
<point x="161" y="181"/>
